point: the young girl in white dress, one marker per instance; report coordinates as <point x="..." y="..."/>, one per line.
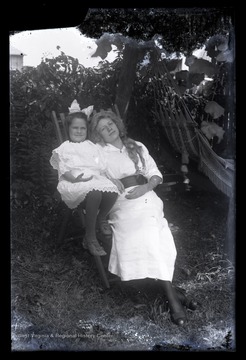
<point x="82" y="178"/>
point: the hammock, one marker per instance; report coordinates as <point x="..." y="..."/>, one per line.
<point x="183" y="133"/>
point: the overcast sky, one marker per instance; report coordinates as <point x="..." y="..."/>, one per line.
<point x="36" y="44"/>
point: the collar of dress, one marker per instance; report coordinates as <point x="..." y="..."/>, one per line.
<point x="110" y="147"/>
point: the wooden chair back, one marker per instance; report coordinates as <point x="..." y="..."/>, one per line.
<point x="60" y="128"/>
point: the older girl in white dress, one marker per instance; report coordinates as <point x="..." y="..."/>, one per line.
<point x="142" y="243"/>
<point x="82" y="177"/>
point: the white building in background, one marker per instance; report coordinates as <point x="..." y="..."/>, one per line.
<point x="15" y="58"/>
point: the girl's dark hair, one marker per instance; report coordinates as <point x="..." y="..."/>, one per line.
<point x="134" y="150"/>
<point x="70" y="117"/>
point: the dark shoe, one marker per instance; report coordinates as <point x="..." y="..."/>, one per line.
<point x="185" y="300"/>
<point x="178" y="318"/>
<point x="94" y="247"/>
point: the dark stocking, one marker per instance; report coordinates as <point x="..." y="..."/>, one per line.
<point x="107" y="202"/>
<point x="98" y="205"/>
<point x="93" y="201"/>
<point x="177" y="311"/>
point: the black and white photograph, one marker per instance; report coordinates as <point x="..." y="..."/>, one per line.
<point x="122" y="181"/>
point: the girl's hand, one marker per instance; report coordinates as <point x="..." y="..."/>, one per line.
<point x="81" y="179"/>
<point x="137" y="191"/>
<point x="119" y="185"/>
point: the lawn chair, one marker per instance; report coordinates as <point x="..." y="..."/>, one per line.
<point x="61" y="133"/>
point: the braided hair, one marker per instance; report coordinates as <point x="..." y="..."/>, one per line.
<point x="134" y="150"/>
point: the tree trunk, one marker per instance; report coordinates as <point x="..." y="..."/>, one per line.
<point x="230" y="245"/>
<point x="131" y="56"/>
<point x="229" y="117"/>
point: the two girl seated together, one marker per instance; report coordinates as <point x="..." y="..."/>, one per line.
<point x="113" y="177"/>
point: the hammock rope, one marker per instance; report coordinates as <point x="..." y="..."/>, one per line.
<point x="183" y="133"/>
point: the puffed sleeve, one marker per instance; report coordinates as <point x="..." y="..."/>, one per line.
<point x="150" y="168"/>
<point x="55" y="160"/>
<point x="62" y="161"/>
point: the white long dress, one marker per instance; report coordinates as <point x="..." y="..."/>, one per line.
<point x="142" y="243"/>
<point x="83" y="157"/>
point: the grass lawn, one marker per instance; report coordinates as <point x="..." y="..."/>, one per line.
<point x="58" y="302"/>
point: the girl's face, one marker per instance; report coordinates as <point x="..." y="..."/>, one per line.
<point x="108" y="130"/>
<point x="78" y="130"/>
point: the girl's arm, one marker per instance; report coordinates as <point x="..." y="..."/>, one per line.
<point x="143" y="189"/>
<point x="71" y="178"/>
<point x="152" y="174"/>
<point x="117" y="182"/>
<point x="153" y="182"/>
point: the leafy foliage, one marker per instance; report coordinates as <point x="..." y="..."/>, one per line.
<point x="179" y="29"/>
